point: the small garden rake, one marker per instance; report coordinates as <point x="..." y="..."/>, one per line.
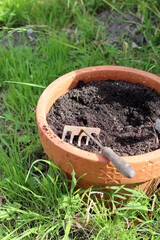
<point x="125" y="168"/>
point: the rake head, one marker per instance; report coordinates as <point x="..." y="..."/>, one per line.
<point x="78" y="131"/>
<point x="124" y="167"/>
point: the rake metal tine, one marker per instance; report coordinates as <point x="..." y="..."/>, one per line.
<point x="81" y="134"/>
<point x="87" y="140"/>
<point x="79" y="141"/>
<point x="71" y="138"/>
<point x="64" y="134"/>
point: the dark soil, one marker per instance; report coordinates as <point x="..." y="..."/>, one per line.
<point x="125" y="113"/>
<point x="118" y="27"/>
<point x="26" y="37"/>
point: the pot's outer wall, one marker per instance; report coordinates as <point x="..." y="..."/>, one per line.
<point x="97" y="170"/>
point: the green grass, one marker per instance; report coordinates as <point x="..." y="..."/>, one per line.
<point x="38" y="203"/>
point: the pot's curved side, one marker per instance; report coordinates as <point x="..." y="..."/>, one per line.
<point x="97" y="170"/>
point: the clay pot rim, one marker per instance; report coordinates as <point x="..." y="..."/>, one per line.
<point x="45" y="97"/>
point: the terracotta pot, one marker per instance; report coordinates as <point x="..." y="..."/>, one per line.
<point x="98" y="170"/>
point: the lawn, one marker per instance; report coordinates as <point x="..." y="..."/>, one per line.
<point x="40" y="41"/>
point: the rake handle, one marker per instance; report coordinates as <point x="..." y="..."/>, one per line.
<point x="125" y="168"/>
